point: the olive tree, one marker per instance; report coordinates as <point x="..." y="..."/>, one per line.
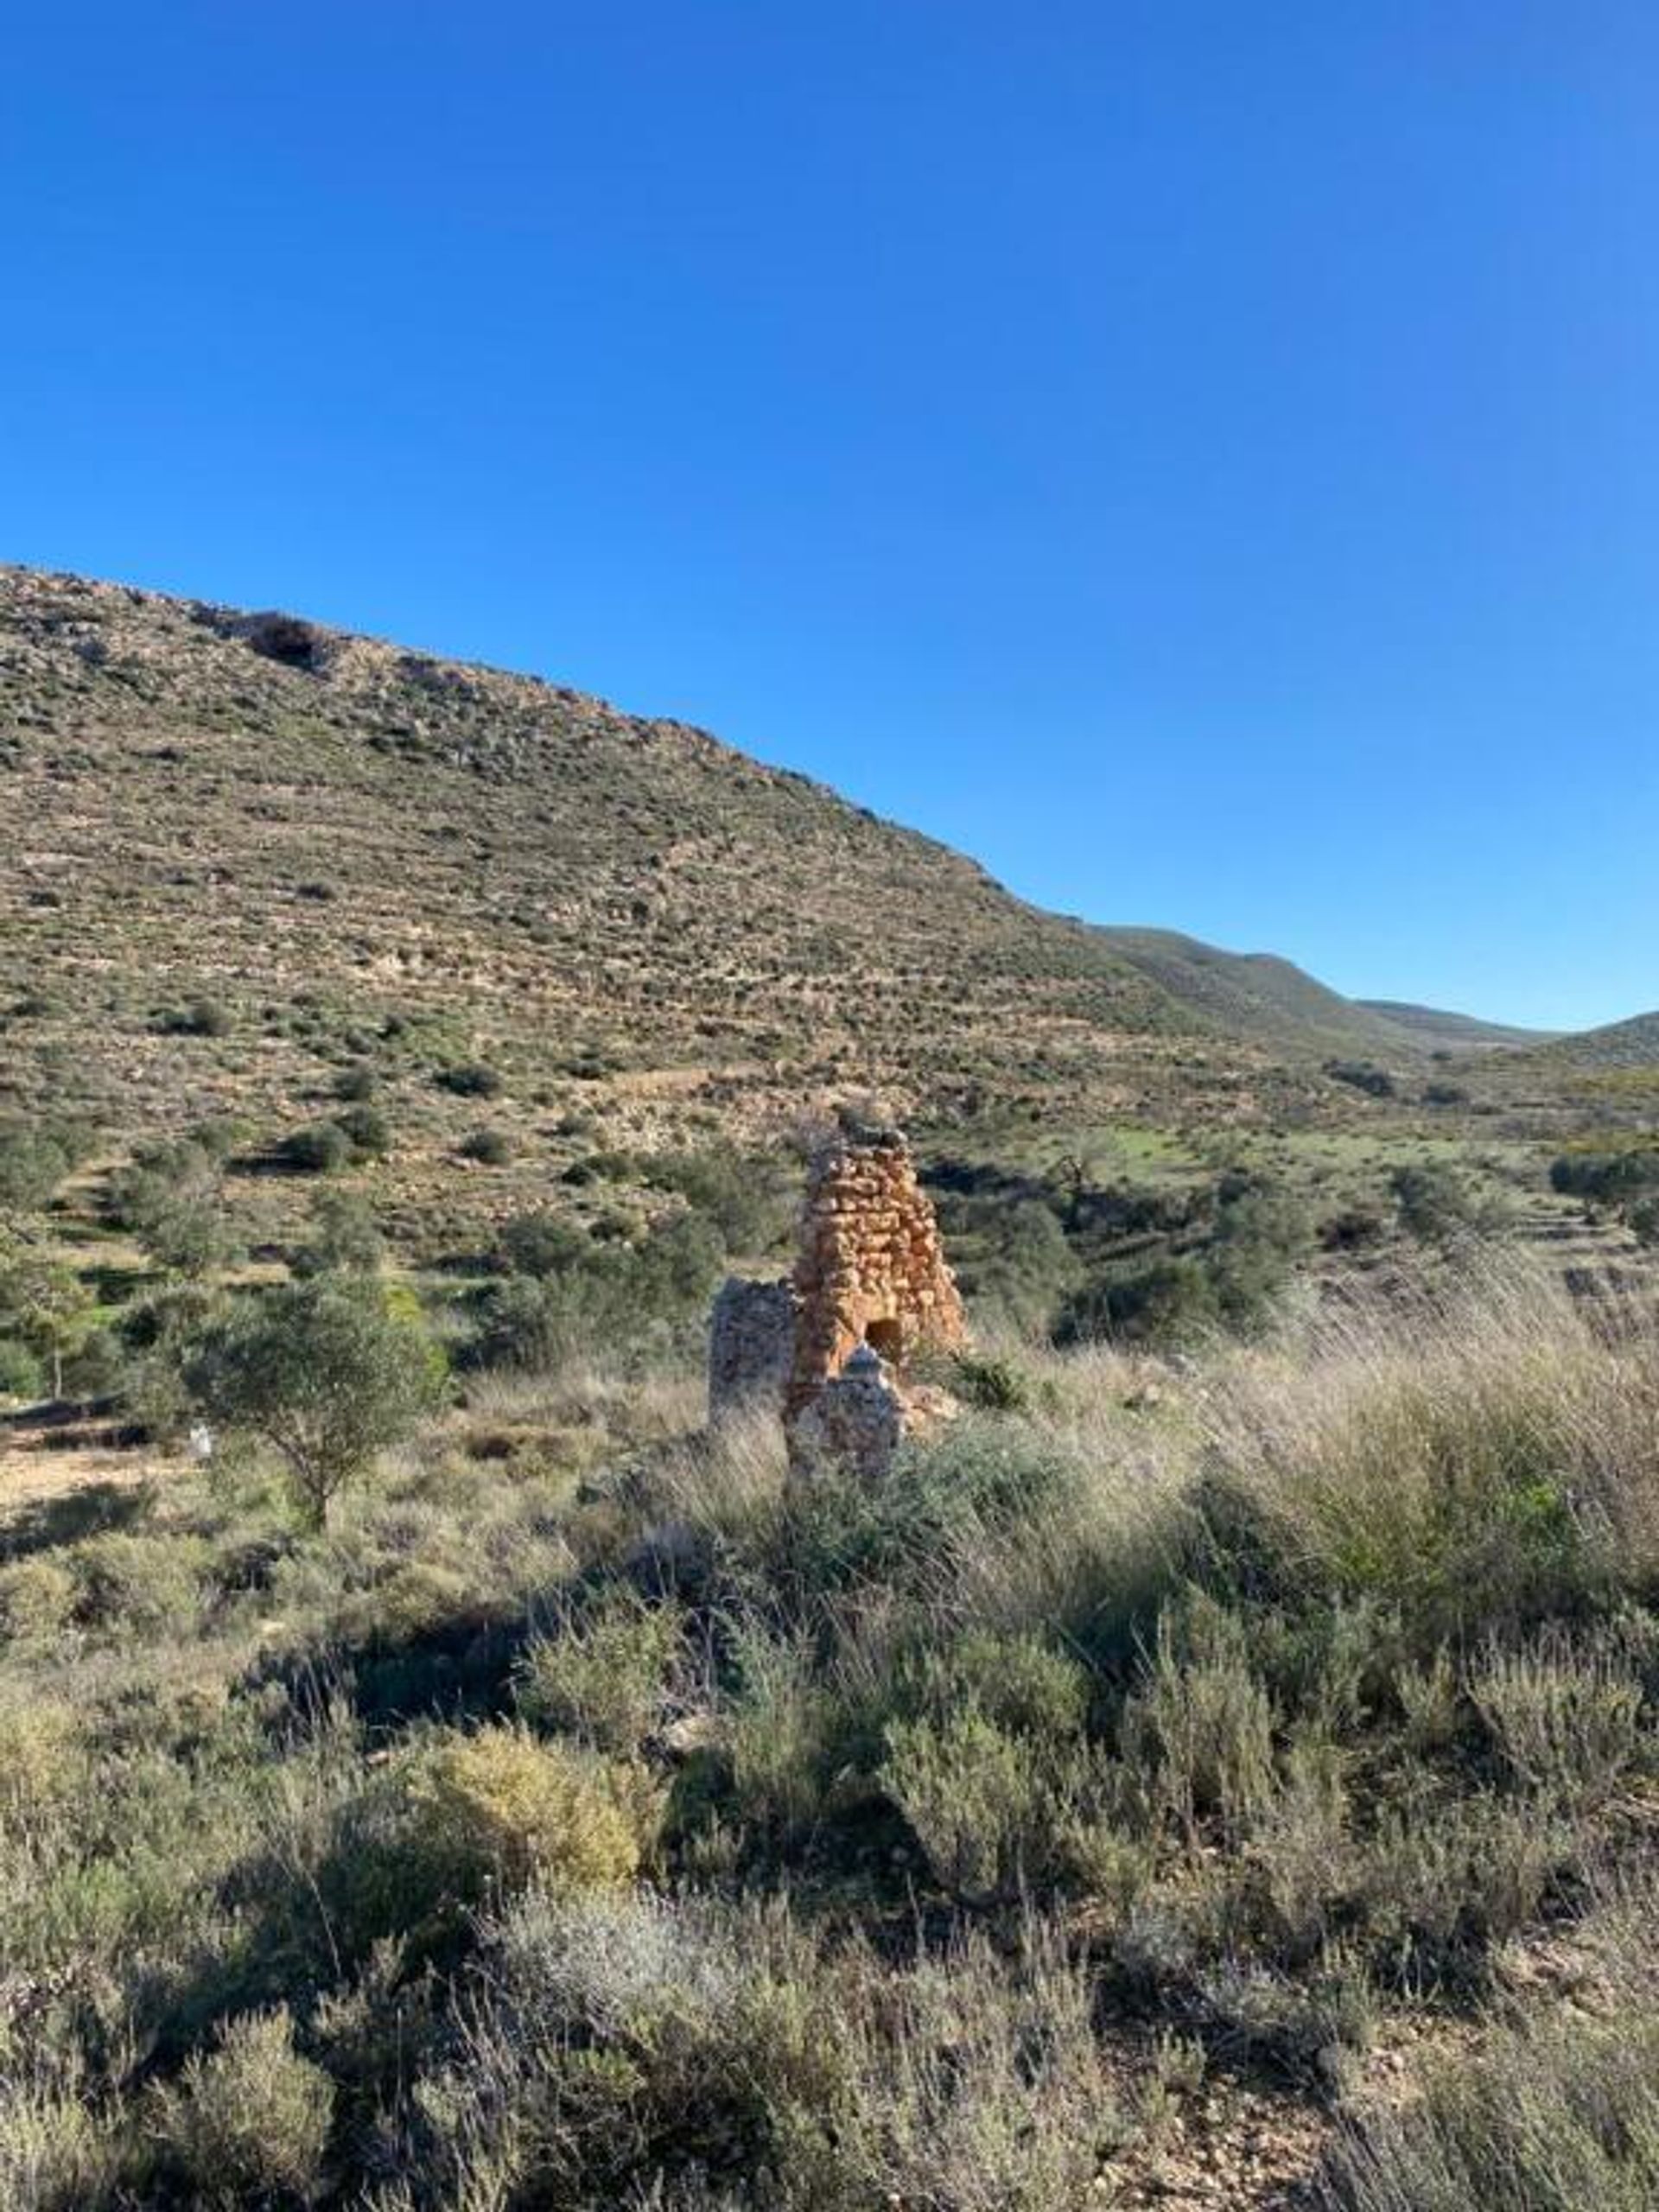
<point x="328" y="1374"/>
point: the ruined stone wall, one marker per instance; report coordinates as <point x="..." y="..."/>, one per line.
<point x="750" y="1347"/>
<point x="871" y="1269"/>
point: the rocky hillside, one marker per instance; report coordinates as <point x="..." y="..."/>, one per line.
<point x="1621" y="1046"/>
<point x="248" y="856"/>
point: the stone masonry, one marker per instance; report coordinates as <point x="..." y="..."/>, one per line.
<point x="751" y="1346"/>
<point x="870" y="1268"/>
<point x="833" y="1348"/>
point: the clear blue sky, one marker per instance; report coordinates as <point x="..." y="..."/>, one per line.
<point x="1201" y="456"/>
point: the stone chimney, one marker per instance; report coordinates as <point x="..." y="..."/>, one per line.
<point x="871" y="1270"/>
<point x="831" y="1349"/>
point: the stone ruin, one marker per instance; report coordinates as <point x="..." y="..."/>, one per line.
<point x="832" y="1348"/>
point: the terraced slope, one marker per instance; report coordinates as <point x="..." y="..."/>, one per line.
<point x="245" y="855"/>
<point x="242" y="851"/>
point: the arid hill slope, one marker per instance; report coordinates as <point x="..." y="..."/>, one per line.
<point x="245" y="852"/>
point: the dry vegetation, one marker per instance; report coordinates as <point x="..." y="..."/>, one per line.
<point x="1221" y="1772"/>
<point x="256" y="866"/>
<point x="1226" y="1777"/>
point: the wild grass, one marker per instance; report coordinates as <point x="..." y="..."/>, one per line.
<point x="590" y="1815"/>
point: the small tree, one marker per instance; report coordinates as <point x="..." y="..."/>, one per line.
<point x="170" y="1197"/>
<point x="328" y="1375"/>
<point x="48" y="1308"/>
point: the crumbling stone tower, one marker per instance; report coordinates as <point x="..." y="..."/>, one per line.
<point x="871" y="1270"/>
<point x="831" y="1348"/>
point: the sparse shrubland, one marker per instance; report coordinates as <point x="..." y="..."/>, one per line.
<point x="585" y="1816"/>
<point x="437" y="1776"/>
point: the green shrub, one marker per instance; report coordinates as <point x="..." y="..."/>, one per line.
<point x="34" y="1160"/>
<point x="939" y="1498"/>
<point x="188" y="1237"/>
<point x="319" y="1149"/>
<point x="366" y="1130"/>
<point x="1363" y="1075"/>
<point x="248" y="2123"/>
<point x="1547" y="2117"/>
<point x="540" y="1244"/>
<point x="1200" y="1726"/>
<point x="43" y="1761"/>
<point x="21" y="1374"/>
<point x="1299" y="1852"/>
<point x="607" y="1294"/>
<point x="741" y="1199"/>
<point x="1016" y="1260"/>
<point x="134" y="1585"/>
<point x="170" y="1197"/>
<point x="602" y="1676"/>
<point x="1436" y="1204"/>
<point x="995" y="1386"/>
<point x="676" y="2055"/>
<point x="1472" y="1487"/>
<point x="1020" y="1683"/>
<point x="1435" y="1886"/>
<point x="1566" y="1723"/>
<point x="37" y="1598"/>
<point x="60" y="2146"/>
<point x="489" y="1147"/>
<point x="780" y="1727"/>
<point x="1261" y="1235"/>
<point x="344" y="1237"/>
<point x="45" y="1306"/>
<point x="1171" y="1301"/>
<point x="200" y="1018"/>
<point x="527" y="1323"/>
<point x="470" y="1080"/>
<point x="1615" y="1178"/>
<point x="975" y="1799"/>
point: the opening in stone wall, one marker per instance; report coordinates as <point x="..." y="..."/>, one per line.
<point x="885" y="1340"/>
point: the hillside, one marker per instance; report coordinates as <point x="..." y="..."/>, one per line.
<point x="1436" y="1029"/>
<point x="1617" y="1047"/>
<point x="453" y="1763"/>
<point x="1260" y="996"/>
<point x="251" y="853"/>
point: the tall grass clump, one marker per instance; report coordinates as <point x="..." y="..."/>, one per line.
<point x="1478" y="1461"/>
